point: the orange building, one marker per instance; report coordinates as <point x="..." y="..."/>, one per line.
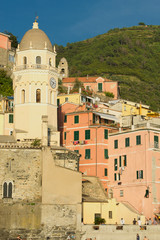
<point x="83" y="130"/>
<point x="96" y="84"/>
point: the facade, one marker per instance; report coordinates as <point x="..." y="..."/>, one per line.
<point x="85" y="131"/>
<point x="7" y="54"/>
<point x="96" y="84"/>
<point x="35" y="87"/>
<point x="63" y="68"/>
<point x="134" y="168"/>
<point x="6" y="116"/>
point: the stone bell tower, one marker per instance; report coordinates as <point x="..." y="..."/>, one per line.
<point x="35" y="84"/>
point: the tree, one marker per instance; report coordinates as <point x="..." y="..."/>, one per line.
<point x="13" y="38"/>
<point x="141" y="24"/>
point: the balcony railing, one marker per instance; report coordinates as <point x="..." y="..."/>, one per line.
<point x="34" y="66"/>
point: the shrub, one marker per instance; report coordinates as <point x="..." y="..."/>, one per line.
<point x="109" y="94"/>
<point x="99" y="220"/>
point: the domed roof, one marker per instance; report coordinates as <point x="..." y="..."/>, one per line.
<point x="35" y="39"/>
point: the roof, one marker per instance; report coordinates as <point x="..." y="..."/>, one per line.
<point x="36" y="39"/>
<point x="84" y="79"/>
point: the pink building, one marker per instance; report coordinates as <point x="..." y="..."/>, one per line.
<point x="97" y="84"/>
<point x="134" y="169"/>
<point x="85" y="132"/>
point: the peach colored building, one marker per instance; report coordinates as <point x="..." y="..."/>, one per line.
<point x="84" y="131"/>
<point x="97" y="84"/>
<point x="6" y="53"/>
<point x="134" y="168"/>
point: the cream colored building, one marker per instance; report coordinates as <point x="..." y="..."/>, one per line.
<point x="35" y="82"/>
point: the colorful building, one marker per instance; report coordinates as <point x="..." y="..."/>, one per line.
<point x="85" y="131"/>
<point x="134" y="168"/>
<point x="96" y="84"/>
<point x="7" y="54"/>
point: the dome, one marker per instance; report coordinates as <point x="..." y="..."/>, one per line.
<point x="35" y="39"/>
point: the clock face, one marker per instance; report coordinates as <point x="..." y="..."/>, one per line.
<point x="52" y="82"/>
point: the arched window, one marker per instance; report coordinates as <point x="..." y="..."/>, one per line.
<point x="7" y="190"/>
<point x="23" y="96"/>
<point x="24" y="60"/>
<point x="38" y="60"/>
<point x="62" y="70"/>
<point x="38" y="96"/>
<point x="50" y="62"/>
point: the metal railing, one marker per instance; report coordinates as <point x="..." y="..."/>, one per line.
<point x="34" y="66"/>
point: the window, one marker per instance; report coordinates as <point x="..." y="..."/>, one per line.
<point x="120" y="161"/>
<point x="76" y="135"/>
<point x="77" y="151"/>
<point x="65" y="118"/>
<point x="105" y="134"/>
<point x="106" y="153"/>
<point x="127" y="142"/>
<point x="76" y="119"/>
<point x="38" y="96"/>
<point x="58" y="102"/>
<point x="24" y="60"/>
<point x="7" y="190"/>
<point x="117" y="176"/>
<point x="50" y="62"/>
<point x="66" y="99"/>
<point x="156" y="142"/>
<point x="105" y="172"/>
<point x="23" y="96"/>
<point x="38" y="60"/>
<point x="10" y="118"/>
<point x="124" y="163"/>
<point x="140" y="174"/>
<point x="115" y="144"/>
<point x="65" y="134"/>
<point x="115" y="164"/>
<point x="121" y="193"/>
<point x="87" y="153"/>
<point x="100" y="87"/>
<point x="110" y="214"/>
<point x="87" y="134"/>
<point x="11" y="58"/>
<point x="138" y="140"/>
<point x="97" y="215"/>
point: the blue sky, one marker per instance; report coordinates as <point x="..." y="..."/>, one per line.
<point x="71" y="21"/>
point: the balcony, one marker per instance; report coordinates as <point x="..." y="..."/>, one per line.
<point x="34" y="66"/>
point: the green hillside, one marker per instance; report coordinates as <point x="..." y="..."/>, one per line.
<point x="129" y="55"/>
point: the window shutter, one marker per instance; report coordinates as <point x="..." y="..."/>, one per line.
<point x="76" y="119"/>
<point x="106" y="153"/>
<point x="106" y="133"/>
<point x="120" y="161"/>
<point x="115" y="164"/>
<point x="106" y="172"/>
<point x="76" y="135"/>
<point x="137" y="174"/>
<point x="115" y="177"/>
<point x="87" y="134"/>
<point x="125" y="160"/>
<point x="65" y="118"/>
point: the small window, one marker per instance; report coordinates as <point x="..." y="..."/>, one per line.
<point x="127" y="142"/>
<point x="140" y="174"/>
<point x="76" y="135"/>
<point x="24" y="60"/>
<point x="110" y="214"/>
<point x="66" y="99"/>
<point x="50" y="62"/>
<point x="10" y="118"/>
<point x="23" y="96"/>
<point x="121" y="193"/>
<point x="87" y="154"/>
<point x="65" y="134"/>
<point x="65" y="118"/>
<point x="138" y="140"/>
<point x="115" y="164"/>
<point x="58" y="102"/>
<point x="76" y="119"/>
<point x="156" y="142"/>
<point x="106" y="153"/>
<point x="120" y="161"/>
<point x="115" y="144"/>
<point x="38" y="60"/>
<point x="105" y="133"/>
<point x="105" y="172"/>
<point x="87" y="134"/>
<point x="38" y="96"/>
<point x="7" y="190"/>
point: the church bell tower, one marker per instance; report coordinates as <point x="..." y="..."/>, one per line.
<point x="35" y="84"/>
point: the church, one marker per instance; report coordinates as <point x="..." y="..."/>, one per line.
<point x="41" y="188"/>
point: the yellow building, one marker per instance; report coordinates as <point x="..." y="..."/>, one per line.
<point x="112" y="211"/>
<point x="72" y="98"/>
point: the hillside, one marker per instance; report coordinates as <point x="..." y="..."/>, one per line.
<point x="129" y="55"/>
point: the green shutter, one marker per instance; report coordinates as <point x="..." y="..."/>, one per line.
<point x="115" y="164"/>
<point x="137" y="174"/>
<point x="105" y="133"/>
<point x="138" y="140"/>
<point x="65" y="118"/>
<point x="115" y="176"/>
<point x="77" y="151"/>
<point x="106" y="172"/>
<point x="87" y="134"/>
<point x="87" y="154"/>
<point x="10" y="118"/>
<point x="125" y="160"/>
<point x="76" y="119"/>
<point x="127" y="142"/>
<point x="120" y="161"/>
<point x="156" y="142"/>
<point x="106" y="153"/>
<point x="76" y="135"/>
<point x="115" y="144"/>
<point x="142" y="174"/>
<point x="65" y="135"/>
<point x="100" y="87"/>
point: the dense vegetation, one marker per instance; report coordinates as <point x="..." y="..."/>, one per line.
<point x="5" y="84"/>
<point x="130" y="56"/>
